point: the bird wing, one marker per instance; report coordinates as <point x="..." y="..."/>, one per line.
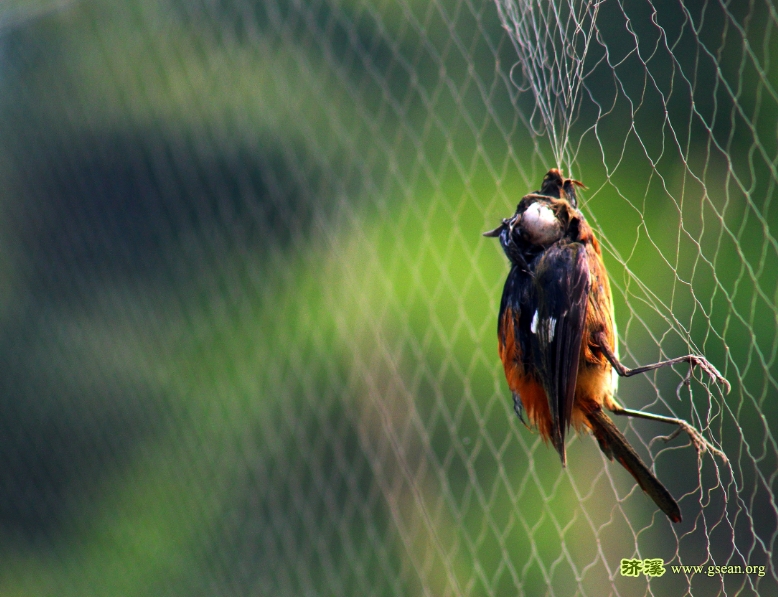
<point x="561" y="292"/>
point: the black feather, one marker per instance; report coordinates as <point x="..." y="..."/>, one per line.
<point x="561" y="288"/>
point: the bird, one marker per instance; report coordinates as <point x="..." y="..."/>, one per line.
<point x="557" y="333"/>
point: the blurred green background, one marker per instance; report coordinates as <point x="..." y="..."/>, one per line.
<point x="247" y="318"/>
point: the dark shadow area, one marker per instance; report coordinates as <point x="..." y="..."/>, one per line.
<point x="62" y="440"/>
<point x="121" y="205"/>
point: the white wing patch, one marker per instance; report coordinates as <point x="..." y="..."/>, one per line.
<point x="546" y="325"/>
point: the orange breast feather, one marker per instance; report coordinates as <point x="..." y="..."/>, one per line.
<point x="595" y="383"/>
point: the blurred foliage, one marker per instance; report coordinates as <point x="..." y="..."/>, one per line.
<point x="248" y="319"/>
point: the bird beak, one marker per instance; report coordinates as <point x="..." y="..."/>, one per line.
<point x="496" y="232"/>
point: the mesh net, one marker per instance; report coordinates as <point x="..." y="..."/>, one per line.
<point x="248" y="320"/>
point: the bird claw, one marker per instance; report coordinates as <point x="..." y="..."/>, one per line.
<point x="699" y="442"/>
<point x="712" y="372"/>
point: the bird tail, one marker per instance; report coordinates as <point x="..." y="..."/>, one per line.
<point x="614" y="444"/>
